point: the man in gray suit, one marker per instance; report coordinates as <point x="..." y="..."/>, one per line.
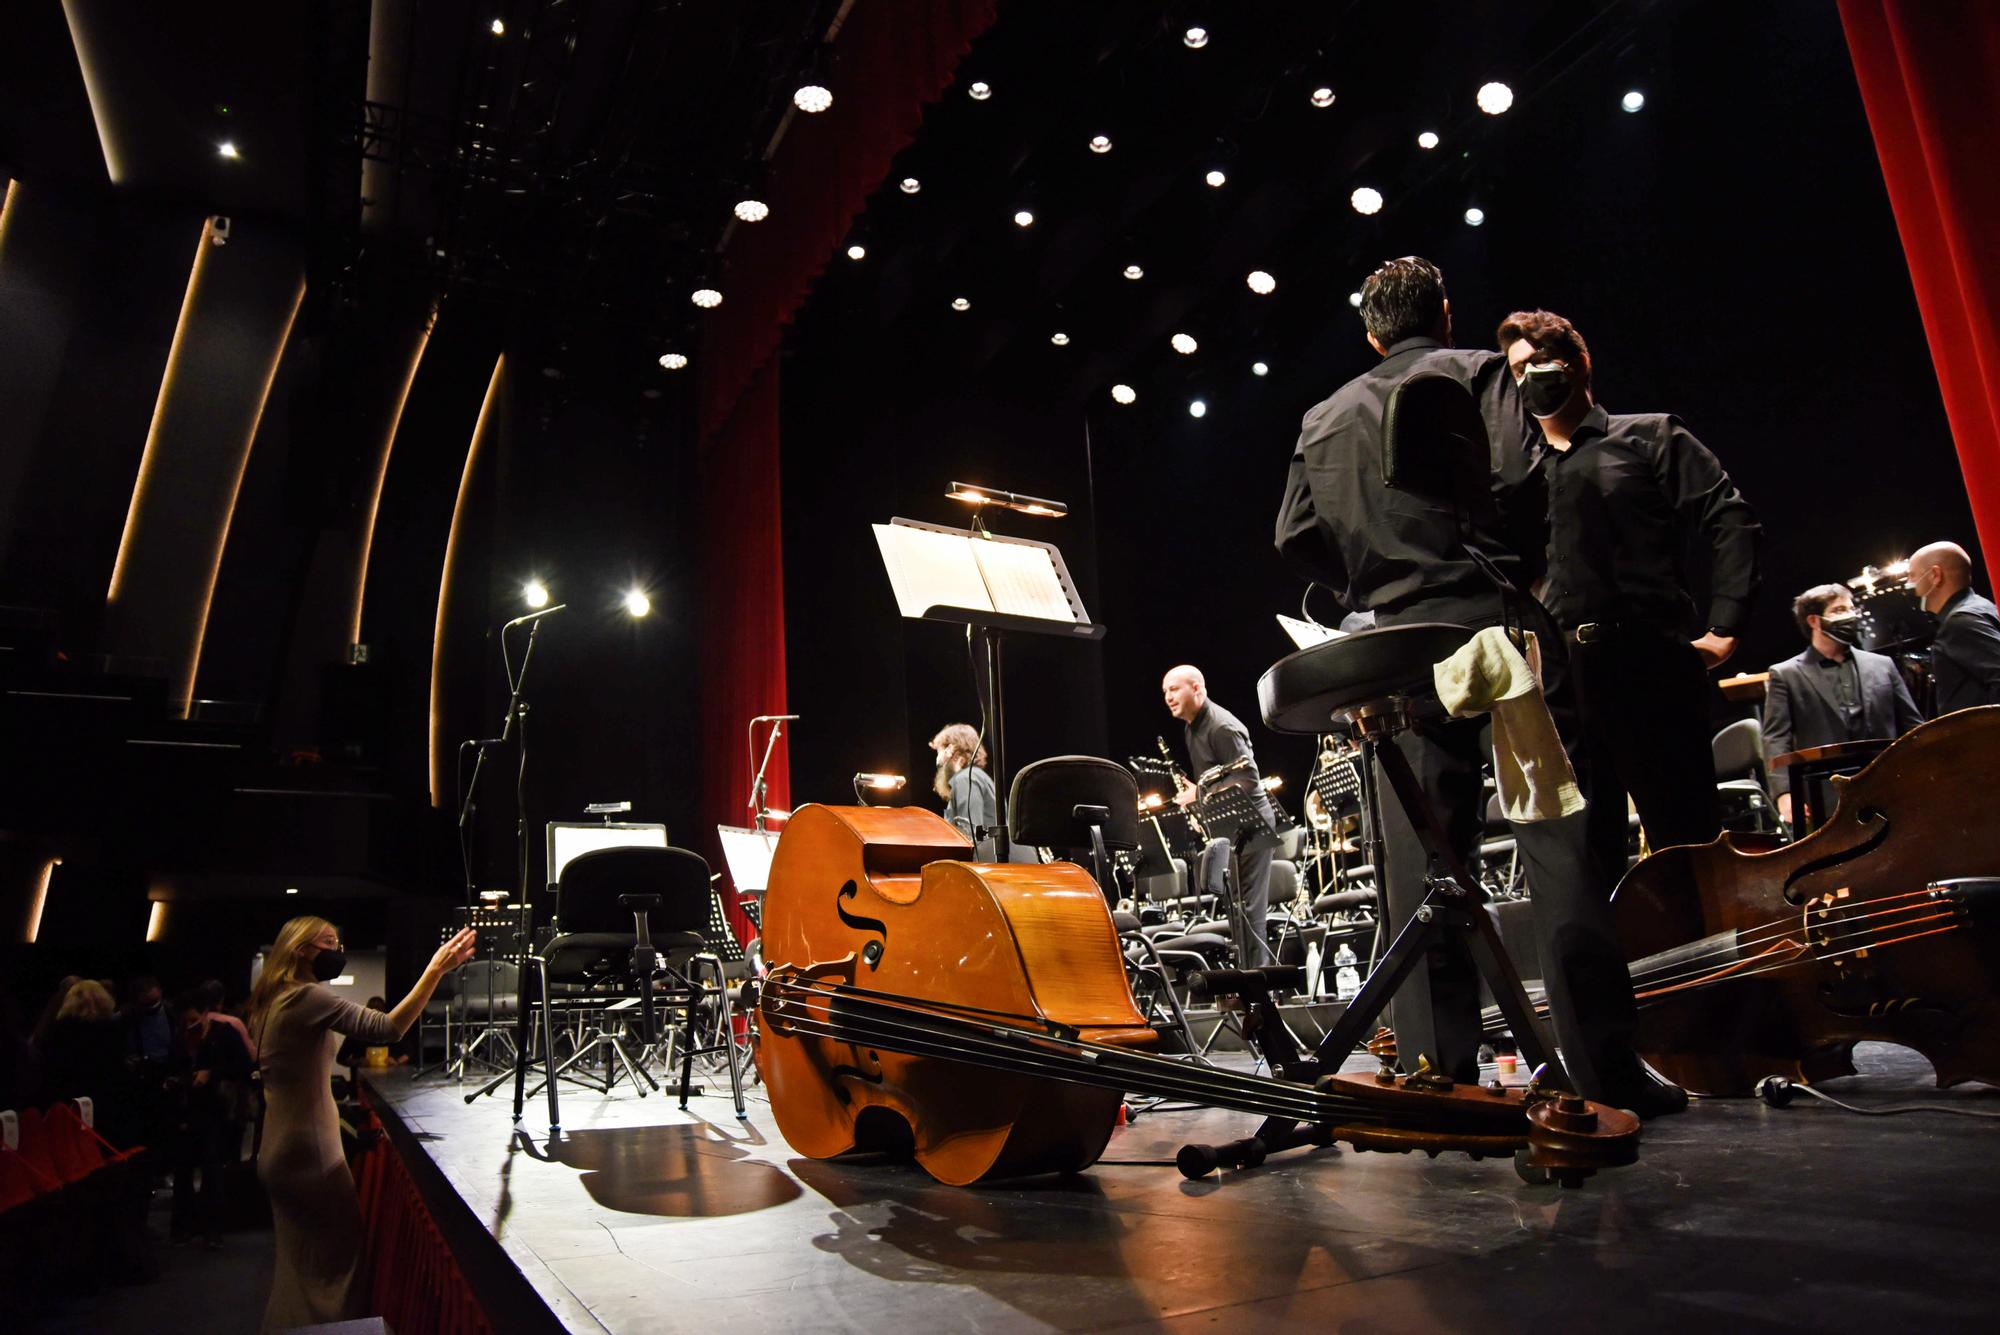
<point x="1833" y="692"/>
<point x="1965" y="657"/>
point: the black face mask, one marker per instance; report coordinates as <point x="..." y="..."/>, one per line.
<point x="1545" y="389"/>
<point x="1846" y="629"/>
<point x="329" y="965"/>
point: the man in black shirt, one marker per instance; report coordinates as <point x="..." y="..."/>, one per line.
<point x="1834" y="691"/>
<point x="1965" y="657"/>
<point x="1389" y="552"/>
<point x="1216" y="737"/>
<point x="1629" y="496"/>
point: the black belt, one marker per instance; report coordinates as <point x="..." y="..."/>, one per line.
<point x="1598" y="632"/>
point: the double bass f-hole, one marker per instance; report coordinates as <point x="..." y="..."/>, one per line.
<point x="871" y="954"/>
<point x="1867" y="816"/>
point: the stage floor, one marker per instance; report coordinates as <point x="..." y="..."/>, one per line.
<point x="1738" y="1217"/>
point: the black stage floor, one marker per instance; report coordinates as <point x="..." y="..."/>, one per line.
<point x="1738" y="1217"/>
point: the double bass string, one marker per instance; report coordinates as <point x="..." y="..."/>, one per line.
<point x="1773" y="935"/>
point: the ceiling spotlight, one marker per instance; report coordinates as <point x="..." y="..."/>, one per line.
<point x="1633" y="101"/>
<point x="1428" y="139"/>
<point x="1474" y="216"/>
<point x="637" y="603"/>
<point x="1322" y="97"/>
<point x="1367" y="199"/>
<point x="910" y="185"/>
<point x="857" y="252"/>
<point x="752" y="210"/>
<point x="812" y="99"/>
<point x="1100" y="143"/>
<point x="1261" y="283"/>
<point x="960" y="304"/>
<point x="1354" y="300"/>
<point x="1495" y="98"/>
<point x="1260" y="368"/>
<point x="1195" y="38"/>
<point x="1216" y="179"/>
<point x="1134" y="272"/>
<point x="1124" y="394"/>
<point x="1197" y="408"/>
<point x="674" y="361"/>
<point x="979" y="92"/>
<point x="1059" y="338"/>
<point x="535" y="593"/>
<point x="1184" y="344"/>
<point x="227" y="149"/>
<point x="706" y="297"/>
<point x="497" y="27"/>
<point x="1023" y="218"/>
<point x="291" y="889"/>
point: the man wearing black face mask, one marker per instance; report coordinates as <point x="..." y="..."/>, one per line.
<point x="1833" y="692"/>
<point x="1628" y="497"/>
<point x="1965" y="657"/>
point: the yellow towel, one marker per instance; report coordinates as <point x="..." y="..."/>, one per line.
<point x="1530" y="767"/>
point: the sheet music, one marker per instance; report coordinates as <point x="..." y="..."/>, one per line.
<point x="747" y="853"/>
<point x="1305" y="634"/>
<point x="1022" y="580"/>
<point x="929" y="569"/>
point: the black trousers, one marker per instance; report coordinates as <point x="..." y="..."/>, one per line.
<point x="1634" y="714"/>
<point x="1436" y="1012"/>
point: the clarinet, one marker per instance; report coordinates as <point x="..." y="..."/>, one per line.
<point x="1181" y="780"/>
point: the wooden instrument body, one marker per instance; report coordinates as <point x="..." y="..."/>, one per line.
<point x="1874" y="961"/>
<point x="881" y="893"/>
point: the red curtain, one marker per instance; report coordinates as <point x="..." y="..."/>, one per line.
<point x="889" y="60"/>
<point x="414" y="1281"/>
<point x="1929" y="72"/>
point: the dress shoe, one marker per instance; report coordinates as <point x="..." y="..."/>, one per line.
<point x="1647" y="1097"/>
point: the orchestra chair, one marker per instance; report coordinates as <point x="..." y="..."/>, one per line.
<point x="621" y="911"/>
<point x="1087" y="805"/>
<point x="1742" y="781"/>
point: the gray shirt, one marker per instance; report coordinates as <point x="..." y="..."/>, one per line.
<point x="973" y="804"/>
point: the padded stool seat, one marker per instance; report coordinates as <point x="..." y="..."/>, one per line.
<point x="1343" y="901"/>
<point x="1199" y="942"/>
<point x="1301" y="692"/>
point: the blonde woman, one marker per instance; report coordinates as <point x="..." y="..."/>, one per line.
<point x="970" y="801"/>
<point x="298" y="1022"/>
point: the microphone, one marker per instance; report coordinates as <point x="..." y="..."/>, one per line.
<point x="535" y="616"/>
<point x="774" y="718"/>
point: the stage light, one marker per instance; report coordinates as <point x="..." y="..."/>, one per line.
<point x="535" y="593"/>
<point x="1100" y="143"/>
<point x="1427" y="140"/>
<point x="869" y="786"/>
<point x="1184" y="344"/>
<point x="1261" y="283"/>
<point x="1195" y="38"/>
<point x="1124" y="394"/>
<point x="1197" y="408"/>
<point x="1354" y="300"/>
<point x="1023" y="218"/>
<point x="1059" y="338"/>
<point x="706" y="297"/>
<point x="979" y="92"/>
<point x="1134" y="272"/>
<point x="1495" y="98"/>
<point x="674" y="361"/>
<point x="637" y="603"/>
<point x="227" y="149"/>
<point x="1322" y="97"/>
<point x="1366" y="200"/>
<point x="973" y="494"/>
<point x="498" y="28"/>
<point x="1216" y="179"/>
<point x="960" y="304"/>
<point x="1475" y="216"/>
<point x="752" y="210"/>
<point x="1633" y="101"/>
<point x="291" y="889"/>
<point x="1260" y="368"/>
<point x="910" y="185"/>
<point x="857" y="252"/>
<point x="812" y="99"/>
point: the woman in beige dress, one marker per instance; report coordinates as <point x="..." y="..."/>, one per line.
<point x="298" y="1022"/>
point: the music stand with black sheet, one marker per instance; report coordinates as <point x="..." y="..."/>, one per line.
<point x="1234" y="814"/>
<point x="989" y="582"/>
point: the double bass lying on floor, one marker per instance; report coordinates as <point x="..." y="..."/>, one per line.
<point x="981" y="1013"/>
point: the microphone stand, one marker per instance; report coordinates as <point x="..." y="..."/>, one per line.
<point x="757" y="785"/>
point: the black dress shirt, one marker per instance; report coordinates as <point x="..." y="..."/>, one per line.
<point x="1392" y="552"/>
<point x="1215" y="737"/>
<point x="1816" y="701"/>
<point x="1965" y="657"/>
<point x="1629" y="501"/>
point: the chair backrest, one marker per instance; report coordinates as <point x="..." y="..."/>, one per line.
<point x="1739" y="751"/>
<point x="1041" y="807"/>
<point x="587" y="891"/>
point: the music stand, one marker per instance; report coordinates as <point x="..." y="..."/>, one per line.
<point x="747" y="855"/>
<point x="989" y="582"/>
<point x="1234" y="814"/>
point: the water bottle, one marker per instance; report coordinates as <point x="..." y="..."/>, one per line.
<point x="1346" y="977"/>
<point x="1314" y="963"/>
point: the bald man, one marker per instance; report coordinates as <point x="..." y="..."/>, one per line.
<point x="1965" y="656"/>
<point x="1216" y="737"/>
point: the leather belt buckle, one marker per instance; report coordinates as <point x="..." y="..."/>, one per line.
<point x="1590" y="632"/>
